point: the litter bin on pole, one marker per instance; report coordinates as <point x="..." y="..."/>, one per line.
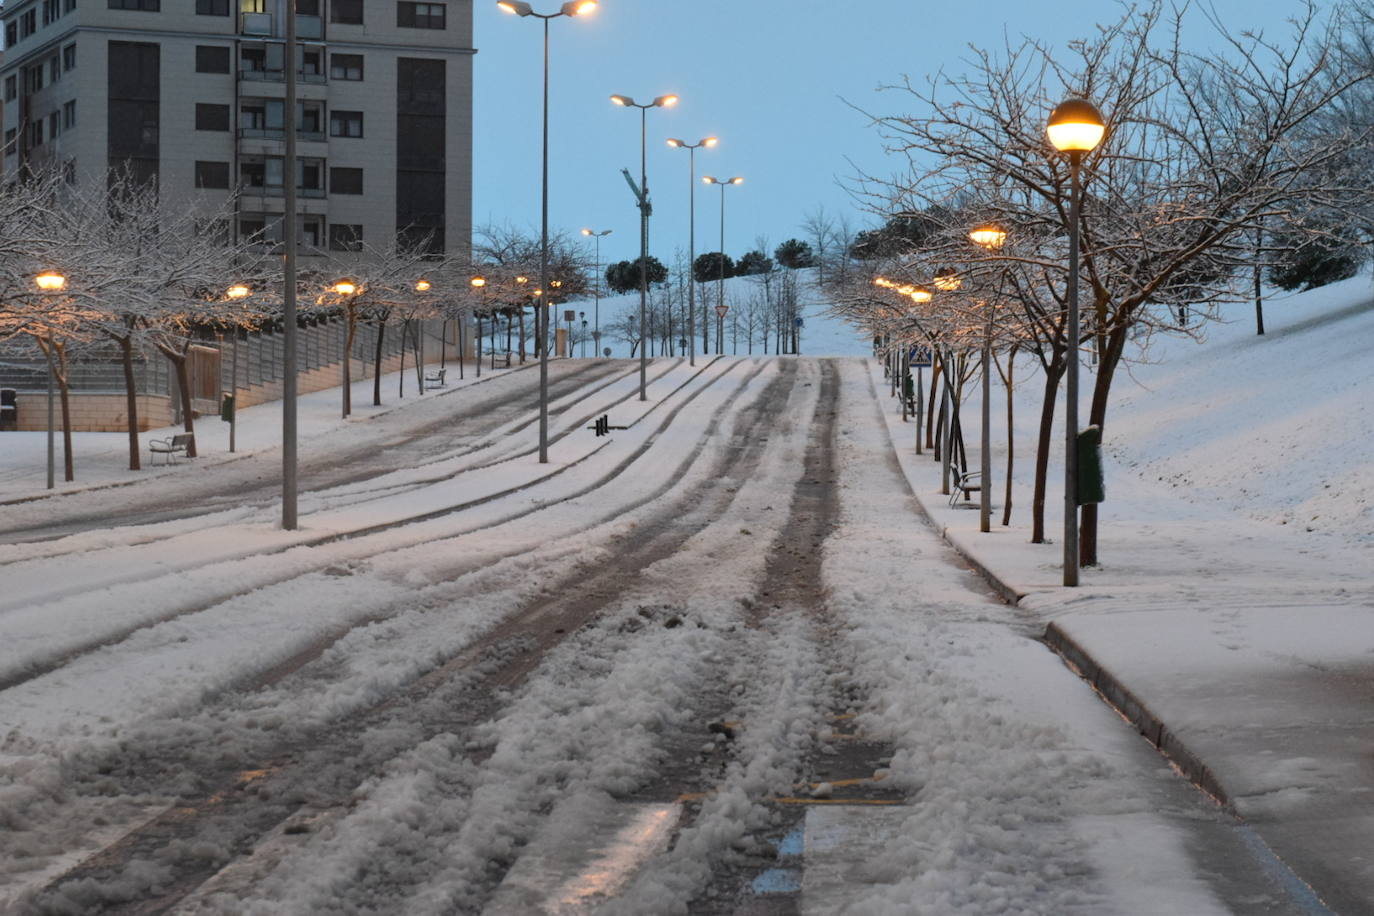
<point x="1091" y="488"/>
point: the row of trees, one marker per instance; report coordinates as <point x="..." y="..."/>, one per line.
<point x="1212" y="167"/>
<point x="144" y="280"/>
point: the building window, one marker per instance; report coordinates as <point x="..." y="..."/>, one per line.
<point x="9" y="142"/>
<point x="346" y="12"/>
<point x="52" y="11"/>
<point x="345" y="237"/>
<point x="28" y="23"/>
<point x="420" y="15"/>
<point x="212" y="117"/>
<point x="69" y="57"/>
<point x="33" y="79"/>
<point x="307" y="7"/>
<point x="345" y="123"/>
<point x="54" y="68"/>
<point x="67" y="7"/>
<point x="345" y="66"/>
<point x="11" y="88"/>
<point x="54" y="124"/>
<point x="69" y="171"/>
<point x="212" y="59"/>
<point x="310" y="118"/>
<point x="212" y="175"/>
<point x="212" y="7"/>
<point x="252" y="6"/>
<point x="311" y="230"/>
<point x="311" y="63"/>
<point x="345" y="181"/>
<point x="69" y="114"/>
<point x="36" y="133"/>
<point x="148" y="6"/>
<point x="11" y="34"/>
<point x="310" y="177"/>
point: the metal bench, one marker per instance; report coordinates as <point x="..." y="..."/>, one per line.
<point x="434" y="378"/>
<point x="169" y="448"/>
<point x="9" y="408"/>
<point x="964" y="482"/>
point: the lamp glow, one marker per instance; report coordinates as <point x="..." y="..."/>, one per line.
<point x="422" y="285"/>
<point x="1075" y="126"/>
<point x="919" y="294"/>
<point x="50" y="281"/>
<point x="237" y="291"/>
<point x="478" y="282"/>
<point x="989" y="236"/>
<point x="948" y="281"/>
<point x="518" y="7"/>
<point x="346" y="287"/>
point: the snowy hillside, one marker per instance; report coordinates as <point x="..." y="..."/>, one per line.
<point x="1275" y="427"/>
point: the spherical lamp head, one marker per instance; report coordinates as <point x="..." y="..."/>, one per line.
<point x="50" y="281"/>
<point x="989" y="236"/>
<point x="1075" y="126"/>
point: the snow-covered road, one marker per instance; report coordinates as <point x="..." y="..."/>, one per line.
<point x="716" y="663"/>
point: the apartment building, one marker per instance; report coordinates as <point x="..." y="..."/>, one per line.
<point x="190" y="94"/>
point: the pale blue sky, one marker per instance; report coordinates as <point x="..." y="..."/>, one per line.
<point x="769" y="77"/>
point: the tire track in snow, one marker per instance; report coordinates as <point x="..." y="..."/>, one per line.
<point x="39" y="668"/>
<point x="667" y="533"/>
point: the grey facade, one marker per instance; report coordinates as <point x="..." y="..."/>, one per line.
<point x="189" y="93"/>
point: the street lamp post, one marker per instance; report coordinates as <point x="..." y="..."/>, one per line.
<point x="541" y="320"/>
<point x="1075" y="127"/>
<point x="50" y="281"/>
<point x="596" y="289"/>
<point x="720" y="284"/>
<point x="663" y="101"/>
<point x="991" y="238"/>
<point x="235" y="292"/>
<point x="692" y="148"/>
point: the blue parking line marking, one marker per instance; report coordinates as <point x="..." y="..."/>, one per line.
<point x="794" y="843"/>
<point x="778" y="881"/>
<point x="1285" y="877"/>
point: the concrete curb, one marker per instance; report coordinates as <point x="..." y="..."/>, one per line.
<point x="1134" y="710"/>
<point x="1078" y="660"/>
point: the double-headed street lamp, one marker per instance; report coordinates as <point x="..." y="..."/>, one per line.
<point x="596" y="315"/>
<point x="692" y="238"/>
<point x="720" y="284"/>
<point x="1075" y="128"/>
<point x="541" y="320"/>
<point x="624" y="101"/>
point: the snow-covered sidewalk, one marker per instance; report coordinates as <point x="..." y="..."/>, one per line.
<point x="1237" y="642"/>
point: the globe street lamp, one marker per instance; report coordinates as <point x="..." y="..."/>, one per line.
<point x="720" y="284"/>
<point x="541" y="319"/>
<point x="235" y="293"/>
<point x="624" y="101"/>
<point x="991" y="238"/>
<point x="692" y="148"/>
<point x="50" y="281"/>
<point x="1075" y="128"/>
<point x="596" y="290"/>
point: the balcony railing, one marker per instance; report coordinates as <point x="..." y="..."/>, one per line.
<point x="255" y="24"/>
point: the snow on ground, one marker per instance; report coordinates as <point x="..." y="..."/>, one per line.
<point x="1026" y="794"/>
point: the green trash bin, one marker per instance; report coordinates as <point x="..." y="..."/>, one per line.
<point x="1091" y="488"/>
<point x="226" y="407"/>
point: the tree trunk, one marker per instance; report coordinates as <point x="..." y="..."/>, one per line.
<point x="126" y="358"/>
<point x="377" y="365"/>
<point x="1097" y="416"/>
<point x="1053" y="373"/>
<point x="65" y="399"/>
<point x="930" y="409"/>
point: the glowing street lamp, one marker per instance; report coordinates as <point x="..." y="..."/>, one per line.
<point x="663" y="101"/>
<point x="596" y="290"/>
<point x="50" y="281"/>
<point x="720" y="284"/>
<point x="991" y="238"/>
<point x="541" y="320"/>
<point x="1075" y="128"/>
<point x="692" y="148"/>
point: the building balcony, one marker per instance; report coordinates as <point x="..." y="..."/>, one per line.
<point x="255" y="24"/>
